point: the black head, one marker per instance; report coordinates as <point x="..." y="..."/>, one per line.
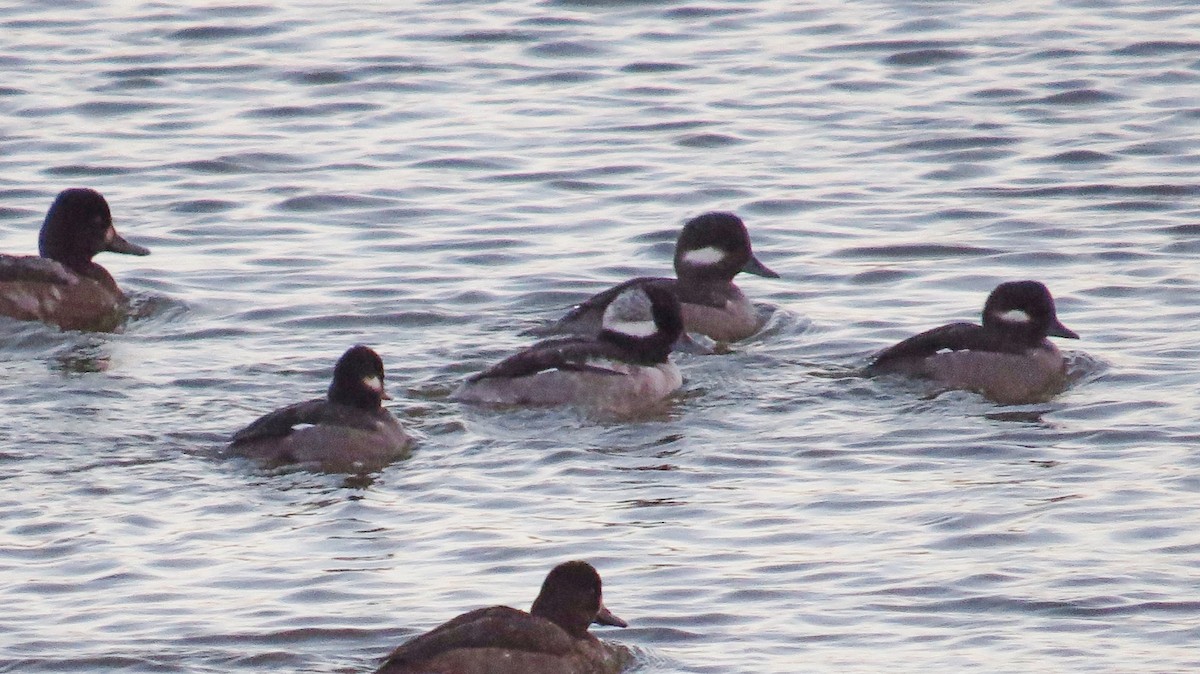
<point x="572" y="599"/>
<point x="716" y="246"/>
<point x="79" y="225"/>
<point x="646" y="320"/>
<point x="358" y="379"/>
<point x="1024" y="309"/>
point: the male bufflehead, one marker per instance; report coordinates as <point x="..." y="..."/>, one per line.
<point x="63" y="286"/>
<point x="1008" y="358"/>
<point x="552" y="638"/>
<point x="622" y="369"/>
<point x="710" y="251"/>
<point x="348" y="430"/>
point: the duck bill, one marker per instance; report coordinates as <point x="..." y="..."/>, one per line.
<point x="753" y="266"/>
<point x="119" y="245"/>
<point x="1060" y="330"/>
<point x="606" y="617"/>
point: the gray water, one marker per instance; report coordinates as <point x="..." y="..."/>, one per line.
<point x="432" y="180"/>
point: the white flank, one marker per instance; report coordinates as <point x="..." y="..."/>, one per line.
<point x="606" y="364"/>
<point x="704" y="256"/>
<point x="1014" y="316"/>
<point x="632" y="328"/>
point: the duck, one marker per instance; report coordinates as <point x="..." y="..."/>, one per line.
<point x="711" y="249"/>
<point x="347" y="430"/>
<point x="62" y="286"/>
<point x="552" y="638"/>
<point x="625" y="368"/>
<point x="1008" y="358"/>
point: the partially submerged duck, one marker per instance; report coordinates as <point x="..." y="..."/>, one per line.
<point x="552" y="638"/>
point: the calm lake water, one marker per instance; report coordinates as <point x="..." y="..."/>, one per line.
<point x="433" y="179"/>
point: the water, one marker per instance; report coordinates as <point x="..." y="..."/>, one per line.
<point x="433" y="179"/>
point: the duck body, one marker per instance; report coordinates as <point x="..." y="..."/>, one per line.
<point x="712" y="248"/>
<point x="348" y="430"/>
<point x="63" y="286"/>
<point x="552" y="638"/>
<point x="84" y="303"/>
<point x="719" y="311"/>
<point x="503" y="640"/>
<point x="321" y="432"/>
<point x="1008" y="358"/>
<point x="622" y="369"/>
<point x="573" y="370"/>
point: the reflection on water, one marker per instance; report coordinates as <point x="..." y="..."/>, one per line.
<point x="87" y="358"/>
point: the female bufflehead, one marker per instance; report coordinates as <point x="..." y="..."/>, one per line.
<point x="710" y="251"/>
<point x="552" y="638"/>
<point x="347" y="430"/>
<point x="1008" y="358"/>
<point x="63" y="286"/>
<point x="622" y="369"/>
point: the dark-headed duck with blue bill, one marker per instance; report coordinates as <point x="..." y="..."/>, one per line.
<point x="62" y="285"/>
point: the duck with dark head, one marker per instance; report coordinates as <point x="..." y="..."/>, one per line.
<point x="711" y="249"/>
<point x="348" y="430"/>
<point x="62" y="285"/>
<point x="1008" y="358"/>
<point x="552" y="638"/>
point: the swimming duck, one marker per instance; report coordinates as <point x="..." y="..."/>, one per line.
<point x="552" y="638"/>
<point x="711" y="250"/>
<point x="624" y="368"/>
<point x="1008" y="358"/>
<point x="63" y="286"/>
<point x="347" y="430"/>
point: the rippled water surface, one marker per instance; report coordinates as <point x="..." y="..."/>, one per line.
<point x="432" y="178"/>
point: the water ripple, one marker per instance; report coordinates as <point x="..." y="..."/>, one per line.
<point x="433" y="178"/>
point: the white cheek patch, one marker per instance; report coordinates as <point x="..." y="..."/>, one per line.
<point x="373" y="383"/>
<point x="632" y="328"/>
<point x="1014" y="316"/>
<point x="109" y="234"/>
<point x="704" y="256"/>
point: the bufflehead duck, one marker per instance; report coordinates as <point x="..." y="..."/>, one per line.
<point x="622" y="369"/>
<point x="710" y="251"/>
<point x="552" y="638"/>
<point x="1008" y="358"/>
<point x="347" y="430"/>
<point x="63" y="286"/>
